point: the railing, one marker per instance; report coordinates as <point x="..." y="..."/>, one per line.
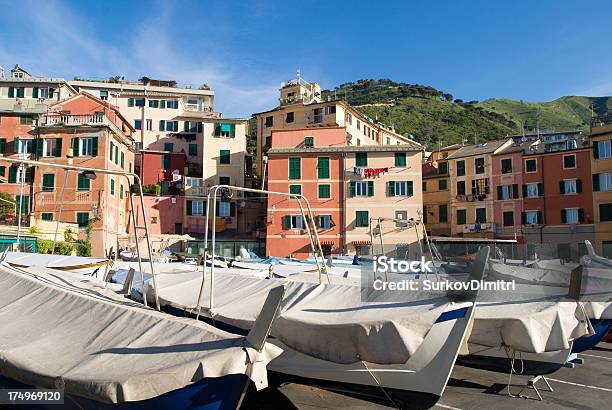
<point x="601" y="120"/>
<point x="84" y="196"/>
<point x="45" y="198"/>
<point x="479" y="227"/>
<point x="472" y="198"/>
<point x="75" y="119"/>
<point x="196" y="191"/>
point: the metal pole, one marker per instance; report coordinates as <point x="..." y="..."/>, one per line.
<point x="134" y="225"/>
<point x="22" y="180"/>
<point x="146" y="227"/>
<point x="59" y="214"/>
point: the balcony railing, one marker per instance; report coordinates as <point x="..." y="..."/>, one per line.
<point x="472" y="198"/>
<point x="601" y="120"/>
<point x="479" y="227"/>
<point x="84" y="196"/>
<point x="75" y="119"/>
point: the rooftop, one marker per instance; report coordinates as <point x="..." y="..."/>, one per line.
<point x="139" y="87"/>
<point x="361" y="148"/>
<point x="488" y="147"/>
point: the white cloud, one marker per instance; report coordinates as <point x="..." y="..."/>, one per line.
<point x="597" y="90"/>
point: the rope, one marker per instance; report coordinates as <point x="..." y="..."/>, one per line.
<point x="379" y="385"/>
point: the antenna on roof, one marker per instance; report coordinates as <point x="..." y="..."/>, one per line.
<point x="298" y="75"/>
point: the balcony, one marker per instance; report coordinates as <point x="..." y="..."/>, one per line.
<point x="75" y="119"/>
<point x="435" y="169"/>
<point x="479" y="227"/>
<point x="472" y="198"/>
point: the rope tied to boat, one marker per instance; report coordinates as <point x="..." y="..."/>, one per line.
<point x="378" y="383"/>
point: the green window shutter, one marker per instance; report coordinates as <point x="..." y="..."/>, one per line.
<point x="193" y="149"/>
<point x="217" y="130"/>
<point x="232" y="209"/>
<point x="16" y="145"/>
<point x="130" y="102"/>
<point x="39" y="147"/>
<point x="166" y="161"/>
<point x="391" y="188"/>
<point x="122" y="160"/>
<point x="168" y="146"/>
<point x="409" y="188"/>
<point x="47" y="216"/>
<point x="370" y="188"/>
<point x="116" y="154"/>
<point x="112" y="186"/>
<point x="352" y="189"/>
<point x="12" y="178"/>
<point x="323" y="167"/>
<point x="23" y="203"/>
<point x="111" y="150"/>
<point x="361" y="159"/>
<point x="361" y="218"/>
<point x="162" y="125"/>
<point x="295" y="189"/>
<point x="186" y="126"/>
<point x="82" y="218"/>
<point x="35" y="92"/>
<point x="199" y="128"/>
<point x="324" y="191"/>
<point x="121" y="191"/>
<point x="2" y="145"/>
<point x="162" y="103"/>
<point x="232" y="130"/>
<point x="11" y="92"/>
<point x="595" y="182"/>
<point x="295" y="168"/>
<point x="48" y="182"/>
<point x="176" y="123"/>
<point x="58" y="147"/>
<point x="83" y="183"/>
<point x="189" y="203"/>
<point x="561" y="187"/>
<point x="224" y="156"/>
<point x="94" y="148"/>
<point x="400" y="159"/>
<point x="75" y="147"/>
<point x="287" y="222"/>
<point x="563" y="216"/>
<point x="2" y="171"/>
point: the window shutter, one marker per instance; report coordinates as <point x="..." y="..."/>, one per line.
<point x="370" y="188"/>
<point x="540" y="189"/>
<point x="524" y="218"/>
<point x="29" y="176"/>
<point x="581" y="215"/>
<point x="595" y="182"/>
<point x="2" y="145"/>
<point x="2" y="171"/>
<point x="352" y="189"/>
<point x="176" y="125"/>
<point x="11" y="92"/>
<point x="409" y="188"/>
<point x="162" y="125"/>
<point x="58" y="147"/>
<point x="595" y="148"/>
<point x="232" y="209"/>
<point x="130" y="102"/>
<point x="561" y="187"/>
<point x="162" y="103"/>
<point x="16" y="145"/>
<point x="122" y="160"/>
<point x="39" y="147"/>
<point x="391" y="188"/>
<point x="116" y="154"/>
<point x="186" y="126"/>
<point x="189" y="202"/>
<point x="540" y="218"/>
<point x="515" y="193"/>
<point x="35" y="92"/>
<point x="287" y="222"/>
<point x="75" y="147"/>
<point x="578" y="186"/>
<point x="12" y="174"/>
<point x="94" y="148"/>
<point x="499" y="192"/>
<point x="199" y="127"/>
<point x="563" y="216"/>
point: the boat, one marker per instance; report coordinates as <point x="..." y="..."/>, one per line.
<point x="64" y="331"/>
<point x="77" y="264"/>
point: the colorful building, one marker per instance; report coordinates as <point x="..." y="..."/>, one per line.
<point x="601" y="168"/>
<point x="29" y="90"/>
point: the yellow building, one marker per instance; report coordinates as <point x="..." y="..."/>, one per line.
<point x="301" y="106"/>
<point x="601" y="168"/>
<point x="471" y="197"/>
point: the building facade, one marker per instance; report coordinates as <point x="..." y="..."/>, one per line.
<point x="601" y="168"/>
<point x="20" y="85"/>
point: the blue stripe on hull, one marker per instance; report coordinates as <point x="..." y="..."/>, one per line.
<point x="602" y="327"/>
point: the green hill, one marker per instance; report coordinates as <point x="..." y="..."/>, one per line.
<point x="435" y="118"/>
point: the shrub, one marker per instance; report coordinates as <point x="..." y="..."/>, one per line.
<point x="153" y="189"/>
<point x="83" y="248"/>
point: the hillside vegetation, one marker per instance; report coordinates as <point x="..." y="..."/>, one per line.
<point x="437" y="119"/>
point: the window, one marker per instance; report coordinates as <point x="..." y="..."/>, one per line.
<point x="86" y="147"/>
<point x="225" y="209"/>
<point x="569" y="161"/>
<point x="171" y="104"/>
<point x="308" y="142"/>
<point x="400" y="159"/>
<point x="442" y="185"/>
<point x="323" y="167"/>
<point x="460" y="168"/>
<point x="112" y="186"/>
<point x="480" y="186"/>
<point x="295" y="189"/>
<point x="461" y="217"/>
<point x="605" y="212"/>
<point x="531" y="218"/>
<point x="479" y="165"/>
<point x="506" y="166"/>
<point x="103" y="95"/>
<point x="460" y="187"/>
<point x="401" y="188"/>
<point x="290" y="117"/>
<point x="168" y="146"/>
<point x="47" y="216"/>
<point x="2" y="145"/>
<point x="318" y="115"/>
<point x="170" y="126"/>
<point x="82" y="218"/>
<point x="83" y="184"/>
<point x="197" y="208"/>
<point x="508" y="218"/>
<point x="602" y="149"/>
<point x="153" y="220"/>
<point x="424" y="186"/>
<point x="295" y="168"/>
<point x="154" y="103"/>
<point x="269" y="121"/>
<point x="361" y="159"/>
<point x="569" y="186"/>
<point x="112" y="151"/>
<point x="481" y="215"/>
<point x="570" y="216"/>
<point x="531" y="165"/>
<point x="388" y="141"/>
<point x="531" y="191"/>
<point x="402" y="216"/>
<point x="48" y="182"/>
<point x="138" y="124"/>
<point x="193" y="149"/>
<point x="324" y="221"/>
<point x="443" y="213"/>
<point x="116" y="154"/>
<point x="224" y="180"/>
<point x="330" y="109"/>
<point x="362" y="218"/>
<point x="121" y="191"/>
<point x="52" y="147"/>
<point x="16" y="92"/>
<point x="505" y="192"/>
<point x="139" y="102"/>
<point x="166" y="161"/>
<point x="361" y="188"/>
<point x="602" y="182"/>
<point x="122" y="161"/>
<point x="46" y="93"/>
<point x="149" y="124"/>
<point x="24" y="146"/>
<point x="224" y="156"/>
<point x="292" y="222"/>
<point x="324" y="191"/>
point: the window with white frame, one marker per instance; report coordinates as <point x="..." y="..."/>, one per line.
<point x="569" y="186"/>
<point x="197" y="208"/>
<point x="104" y="95"/>
<point x="149" y="124"/>
<point x="21" y="175"/>
<point x="324" y="221"/>
<point x="296" y="222"/>
<point x="43" y="93"/>
<point x="506" y="192"/>
<point x="604" y="149"/>
<point x="532" y="190"/>
<point x="361" y="188"/>
<point x="401" y="188"/>
<point x="224" y="209"/>
<point x="49" y="147"/>
<point x="25" y="146"/>
<point x="571" y="216"/>
<point x="85" y="147"/>
<point x="605" y="181"/>
<point x="531" y="217"/>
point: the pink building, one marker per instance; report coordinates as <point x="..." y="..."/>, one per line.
<point x="315" y="137"/>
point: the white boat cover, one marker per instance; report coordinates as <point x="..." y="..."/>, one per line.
<point x="329" y="322"/>
<point x="24" y="259"/>
<point x="105" y="347"/>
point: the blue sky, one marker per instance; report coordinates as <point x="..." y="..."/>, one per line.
<point x="529" y="50"/>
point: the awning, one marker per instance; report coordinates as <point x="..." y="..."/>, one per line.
<point x="361" y="243"/>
